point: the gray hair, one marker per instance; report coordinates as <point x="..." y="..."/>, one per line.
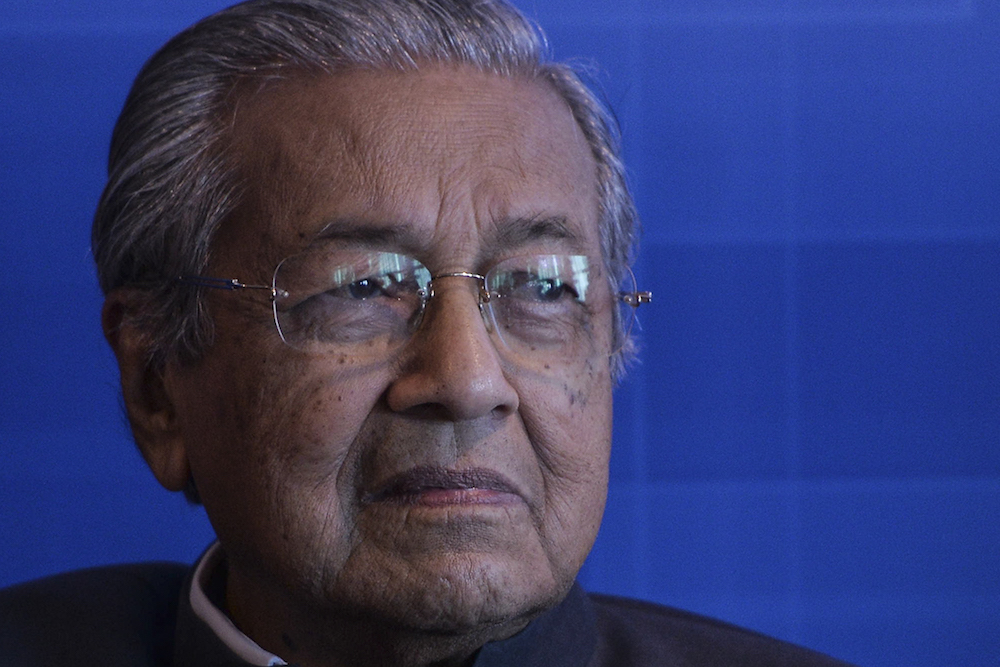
<point x="170" y="183"/>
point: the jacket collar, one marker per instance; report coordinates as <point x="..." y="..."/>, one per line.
<point x="564" y="636"/>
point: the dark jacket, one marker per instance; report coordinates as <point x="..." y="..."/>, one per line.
<point x="139" y="616"/>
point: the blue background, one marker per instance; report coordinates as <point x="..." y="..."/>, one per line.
<point x="810" y="447"/>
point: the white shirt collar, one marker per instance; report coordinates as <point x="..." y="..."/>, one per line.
<point x="246" y="648"/>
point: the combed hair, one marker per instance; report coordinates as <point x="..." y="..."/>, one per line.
<point x="171" y="184"/>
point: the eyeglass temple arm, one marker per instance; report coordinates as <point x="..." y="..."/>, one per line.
<point x="220" y="283"/>
<point x="636" y="299"/>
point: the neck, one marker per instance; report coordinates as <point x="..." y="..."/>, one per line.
<point x="325" y="638"/>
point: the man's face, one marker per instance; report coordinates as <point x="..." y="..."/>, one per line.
<point x="344" y="486"/>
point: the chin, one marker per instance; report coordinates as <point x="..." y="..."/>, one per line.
<point x="452" y="594"/>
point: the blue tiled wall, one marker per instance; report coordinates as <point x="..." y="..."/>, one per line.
<point x="811" y="446"/>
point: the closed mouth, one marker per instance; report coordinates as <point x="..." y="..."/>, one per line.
<point x="431" y="485"/>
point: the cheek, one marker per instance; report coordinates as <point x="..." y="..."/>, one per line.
<point x="271" y="451"/>
<point x="571" y="413"/>
<point x="569" y="425"/>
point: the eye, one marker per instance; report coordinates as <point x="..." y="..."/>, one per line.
<point x="367" y="288"/>
<point x="548" y="290"/>
<point x="388" y="285"/>
<point x="529" y="287"/>
<point x="541" y="281"/>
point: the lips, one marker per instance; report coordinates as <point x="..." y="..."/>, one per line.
<point x="427" y="485"/>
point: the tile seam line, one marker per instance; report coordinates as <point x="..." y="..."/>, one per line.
<point x="961" y="13"/>
<point x="769" y="19"/>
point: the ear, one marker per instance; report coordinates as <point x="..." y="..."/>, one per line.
<point x="148" y="400"/>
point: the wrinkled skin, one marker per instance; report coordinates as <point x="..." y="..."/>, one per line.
<point x="293" y="454"/>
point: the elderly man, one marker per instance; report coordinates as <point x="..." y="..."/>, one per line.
<point x="366" y="266"/>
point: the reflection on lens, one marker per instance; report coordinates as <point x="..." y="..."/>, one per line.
<point x="357" y="303"/>
<point x="539" y="303"/>
<point x="364" y="306"/>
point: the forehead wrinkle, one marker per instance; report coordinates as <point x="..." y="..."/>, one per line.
<point x="344" y="151"/>
<point x="294" y="170"/>
<point x="397" y="235"/>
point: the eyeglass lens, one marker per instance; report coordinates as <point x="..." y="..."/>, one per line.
<point x="366" y="305"/>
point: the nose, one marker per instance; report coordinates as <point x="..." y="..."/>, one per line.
<point x="451" y="369"/>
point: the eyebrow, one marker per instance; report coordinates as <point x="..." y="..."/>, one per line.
<point x="510" y="232"/>
<point x="519" y="231"/>
<point x="366" y="234"/>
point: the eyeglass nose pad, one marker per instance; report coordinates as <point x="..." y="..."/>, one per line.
<point x="424" y="295"/>
<point x="485" y="309"/>
<point x="483" y="294"/>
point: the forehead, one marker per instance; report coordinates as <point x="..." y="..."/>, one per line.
<point x="444" y="159"/>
